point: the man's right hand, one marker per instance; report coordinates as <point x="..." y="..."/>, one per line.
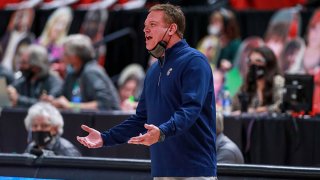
<point x="93" y="140"/>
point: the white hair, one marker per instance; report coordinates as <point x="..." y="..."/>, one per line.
<point x="38" y="56"/>
<point x="79" y="45"/>
<point x="47" y="110"/>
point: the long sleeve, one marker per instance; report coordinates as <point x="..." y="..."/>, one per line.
<point x="195" y="86"/>
<point x="129" y="128"/>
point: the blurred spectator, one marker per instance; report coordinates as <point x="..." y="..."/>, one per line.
<point x="130" y="84"/>
<point x="234" y="77"/>
<point x="210" y="47"/>
<point x="93" y="26"/>
<point x="241" y="59"/>
<point x="227" y="150"/>
<point x="223" y="23"/>
<point x="283" y="26"/>
<point x="5" y="73"/>
<point x="263" y="86"/>
<point x="53" y="34"/>
<point x="291" y="58"/>
<point x="311" y="59"/>
<point x="16" y="37"/>
<point x="44" y="124"/>
<point x="36" y="80"/>
<point x="87" y="86"/>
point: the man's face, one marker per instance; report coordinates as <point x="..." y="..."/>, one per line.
<point x="154" y="28"/>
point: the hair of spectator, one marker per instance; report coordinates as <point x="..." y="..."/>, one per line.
<point x="231" y="27"/>
<point x="38" y="56"/>
<point x="80" y="46"/>
<point x="172" y="14"/>
<point x="66" y="14"/>
<point x="272" y="69"/>
<point x="46" y="110"/>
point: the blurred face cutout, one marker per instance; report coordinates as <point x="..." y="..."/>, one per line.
<point x="58" y="27"/>
<point x="314" y="35"/>
<point x="215" y="24"/>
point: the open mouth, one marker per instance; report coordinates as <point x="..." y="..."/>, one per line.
<point x="148" y="38"/>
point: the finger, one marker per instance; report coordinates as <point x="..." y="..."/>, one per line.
<point x="139" y="138"/>
<point x="149" y="126"/>
<point x="81" y="141"/>
<point x="86" y="128"/>
<point x="135" y="142"/>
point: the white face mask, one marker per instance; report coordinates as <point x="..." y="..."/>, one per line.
<point x="214" y="29"/>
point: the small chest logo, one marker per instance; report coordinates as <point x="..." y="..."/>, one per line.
<point x="169" y="71"/>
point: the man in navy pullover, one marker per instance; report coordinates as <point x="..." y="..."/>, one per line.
<point x="176" y="113"/>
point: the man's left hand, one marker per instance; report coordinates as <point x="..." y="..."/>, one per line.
<point x="149" y="138"/>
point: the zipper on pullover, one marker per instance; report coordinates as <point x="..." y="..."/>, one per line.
<point x="161" y="62"/>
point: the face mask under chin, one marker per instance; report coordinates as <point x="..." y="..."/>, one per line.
<point x="158" y="50"/>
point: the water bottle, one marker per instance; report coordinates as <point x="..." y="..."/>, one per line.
<point x="226" y="103"/>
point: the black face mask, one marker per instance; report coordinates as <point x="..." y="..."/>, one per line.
<point x="41" y="138"/>
<point x="256" y="72"/>
<point x="160" y="48"/>
<point x="27" y="73"/>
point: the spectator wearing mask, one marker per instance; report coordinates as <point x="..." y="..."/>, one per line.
<point x="45" y="125"/>
<point x="87" y="85"/>
<point x="36" y="80"/>
<point x="227" y="150"/>
<point x="263" y="86"/>
<point x="224" y="24"/>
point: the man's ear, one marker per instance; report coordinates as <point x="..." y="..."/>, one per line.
<point x="173" y="29"/>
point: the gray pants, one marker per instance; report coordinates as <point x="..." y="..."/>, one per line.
<point x="185" y="178"/>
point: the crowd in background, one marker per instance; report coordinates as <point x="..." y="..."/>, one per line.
<point x="250" y="72"/>
<point x="67" y="71"/>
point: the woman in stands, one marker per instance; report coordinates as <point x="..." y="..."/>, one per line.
<point x="262" y="89"/>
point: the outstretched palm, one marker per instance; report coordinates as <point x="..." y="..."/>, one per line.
<point x="93" y="140"/>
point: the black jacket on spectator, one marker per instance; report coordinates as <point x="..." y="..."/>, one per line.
<point x="29" y="93"/>
<point x="8" y="75"/>
<point x="95" y="85"/>
<point x="57" y="147"/>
